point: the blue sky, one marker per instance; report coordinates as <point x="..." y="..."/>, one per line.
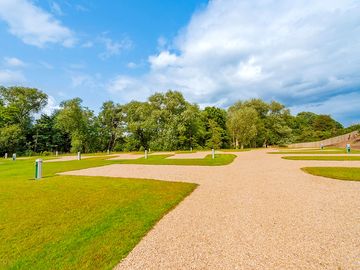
<point x="305" y="55"/>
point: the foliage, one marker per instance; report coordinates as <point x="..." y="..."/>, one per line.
<point x="165" y="121"/>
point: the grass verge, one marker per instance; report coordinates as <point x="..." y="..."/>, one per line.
<point x="328" y="158"/>
<point x="71" y="222"/>
<point x="341" y="173"/>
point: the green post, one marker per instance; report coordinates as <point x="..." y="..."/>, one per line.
<point x="38" y="169"/>
<point x="348" y="148"/>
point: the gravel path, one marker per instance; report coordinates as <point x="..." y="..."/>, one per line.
<point x="260" y="212"/>
<point x="190" y="155"/>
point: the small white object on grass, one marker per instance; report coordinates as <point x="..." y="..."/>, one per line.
<point x="79" y="156"/>
<point x="213" y="153"/>
<point x="56" y="153"/>
<point x="5" y="155"/>
<point x="146" y="154"/>
<point x="14" y="156"/>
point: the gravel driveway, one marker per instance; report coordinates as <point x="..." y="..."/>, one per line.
<point x="260" y="212"/>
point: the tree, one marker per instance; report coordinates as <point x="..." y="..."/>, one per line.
<point x="20" y="103"/>
<point x="242" y="125"/>
<point x="47" y="137"/>
<point x="80" y="123"/>
<point x="111" y="124"/>
<point x="215" y="126"/>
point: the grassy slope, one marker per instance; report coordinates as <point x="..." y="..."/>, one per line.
<point x="68" y="222"/>
<point x="335" y="158"/>
<point x="341" y="173"/>
<point x="332" y="151"/>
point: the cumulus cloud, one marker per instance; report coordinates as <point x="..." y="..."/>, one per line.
<point x="113" y="47"/>
<point x="293" y="51"/>
<point x="33" y="25"/>
<point x="13" y="62"/>
<point x="8" y="77"/>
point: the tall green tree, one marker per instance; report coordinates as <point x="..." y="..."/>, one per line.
<point x="111" y="120"/>
<point x="242" y="125"/>
<point x="80" y="123"/>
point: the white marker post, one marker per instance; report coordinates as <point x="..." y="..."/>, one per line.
<point x="38" y="169"/>
<point x="213" y="153"/>
<point x="190" y="149"/>
<point x="108" y="152"/>
<point x="79" y="156"/>
<point x="14" y="156"/>
<point x="348" y="148"/>
<point x="321" y="146"/>
<point x="146" y="154"/>
<point x="56" y="153"/>
<point x="5" y="156"/>
<point x="149" y="150"/>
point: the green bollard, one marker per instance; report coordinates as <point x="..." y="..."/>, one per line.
<point x="38" y="169"/>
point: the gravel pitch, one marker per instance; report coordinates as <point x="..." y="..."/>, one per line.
<point x="260" y="212"/>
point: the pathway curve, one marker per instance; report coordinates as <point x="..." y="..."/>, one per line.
<point x="260" y="212"/>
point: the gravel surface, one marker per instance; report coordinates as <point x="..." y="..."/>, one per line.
<point x="67" y="158"/>
<point x="190" y="155"/>
<point x="260" y="212"/>
<point x="126" y="156"/>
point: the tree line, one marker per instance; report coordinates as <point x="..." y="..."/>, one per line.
<point x="165" y="121"/>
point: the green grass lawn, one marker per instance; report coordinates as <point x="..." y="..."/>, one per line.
<point x="330" y="152"/>
<point x="71" y="222"/>
<point x="335" y="158"/>
<point x="341" y="173"/>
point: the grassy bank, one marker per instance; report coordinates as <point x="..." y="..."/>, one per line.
<point x="341" y="173"/>
<point x="325" y="158"/>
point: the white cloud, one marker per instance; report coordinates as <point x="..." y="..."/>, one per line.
<point x="8" y="77"/>
<point x="294" y="51"/>
<point x="33" y="25"/>
<point x="113" y="48"/>
<point x="51" y="106"/>
<point x="88" y="44"/>
<point x="164" y="59"/>
<point x="14" y="62"/>
<point x="55" y="8"/>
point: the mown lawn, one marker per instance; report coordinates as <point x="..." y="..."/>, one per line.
<point x="330" y="152"/>
<point x="325" y="158"/>
<point x="70" y="222"/>
<point x="341" y="173"/>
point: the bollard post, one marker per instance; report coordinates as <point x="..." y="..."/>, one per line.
<point x="149" y="150"/>
<point x="321" y="146"/>
<point x="56" y="153"/>
<point x="79" y="156"/>
<point x="213" y="153"/>
<point x="108" y="152"/>
<point x="38" y="169"/>
<point x="14" y="157"/>
<point x="146" y="154"/>
<point x="190" y="149"/>
<point x="5" y="155"/>
<point x="348" y="148"/>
